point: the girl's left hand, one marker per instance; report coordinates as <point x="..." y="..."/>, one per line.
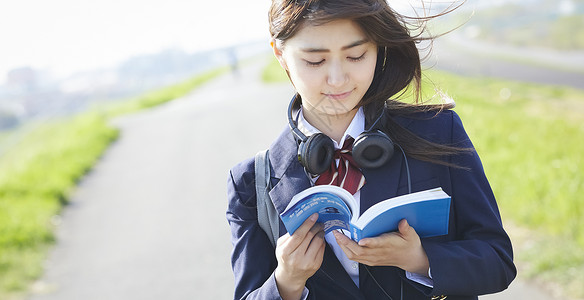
<point x="402" y="249"/>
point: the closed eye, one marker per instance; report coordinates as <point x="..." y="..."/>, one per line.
<point x="314" y="63"/>
<point x="357" y="58"/>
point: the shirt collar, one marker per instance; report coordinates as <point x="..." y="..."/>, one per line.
<point x="356" y="127"/>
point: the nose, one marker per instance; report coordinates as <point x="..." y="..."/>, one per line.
<point x="337" y="76"/>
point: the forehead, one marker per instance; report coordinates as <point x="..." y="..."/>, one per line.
<point x="332" y="35"/>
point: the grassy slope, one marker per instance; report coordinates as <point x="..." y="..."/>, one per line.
<point x="541" y="25"/>
<point x="530" y="138"/>
<point x="37" y="175"/>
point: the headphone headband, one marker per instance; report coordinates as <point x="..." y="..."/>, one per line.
<point x="297" y="133"/>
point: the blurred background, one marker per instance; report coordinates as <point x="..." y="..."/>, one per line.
<point x="103" y="102"/>
<point x="60" y="57"/>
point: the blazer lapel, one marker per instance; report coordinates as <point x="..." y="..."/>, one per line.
<point x="289" y="178"/>
<point x="288" y="174"/>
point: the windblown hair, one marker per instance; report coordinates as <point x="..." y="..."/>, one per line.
<point x="398" y="67"/>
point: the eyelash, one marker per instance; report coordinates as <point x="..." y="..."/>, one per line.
<point x="357" y="58"/>
<point x="314" y="64"/>
<point x="353" y="59"/>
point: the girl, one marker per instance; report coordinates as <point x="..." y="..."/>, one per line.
<point x="347" y="60"/>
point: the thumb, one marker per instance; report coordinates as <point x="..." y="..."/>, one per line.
<point x="404" y="228"/>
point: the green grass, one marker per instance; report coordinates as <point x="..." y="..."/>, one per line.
<point x="531" y="145"/>
<point x="530" y="138"/>
<point x="162" y="95"/>
<point x="273" y="73"/>
<point x="38" y="174"/>
<point x="35" y="180"/>
<point x="534" y="25"/>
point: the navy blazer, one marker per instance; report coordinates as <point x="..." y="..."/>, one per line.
<point x="475" y="257"/>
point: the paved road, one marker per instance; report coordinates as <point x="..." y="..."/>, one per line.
<point x="148" y="222"/>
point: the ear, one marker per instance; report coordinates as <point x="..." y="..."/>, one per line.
<point x="278" y="53"/>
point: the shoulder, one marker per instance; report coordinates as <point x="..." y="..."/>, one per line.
<point x="243" y="170"/>
<point x="439" y="126"/>
<point x="241" y="181"/>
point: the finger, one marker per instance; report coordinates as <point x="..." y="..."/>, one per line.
<point x="307" y="225"/>
<point x="341" y="242"/>
<point x="351" y="249"/>
<point x="316" y="245"/>
<point x="367" y="242"/>
<point x="382" y="240"/>
<point x="282" y="240"/>
<point x="310" y="236"/>
<point x="299" y="235"/>
<point x="341" y="238"/>
<point x="320" y="254"/>
<point x="405" y="230"/>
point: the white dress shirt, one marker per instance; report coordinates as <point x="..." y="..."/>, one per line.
<point x="356" y="127"/>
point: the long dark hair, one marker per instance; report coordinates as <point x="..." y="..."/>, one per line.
<point x="398" y="69"/>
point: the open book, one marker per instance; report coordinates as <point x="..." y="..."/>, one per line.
<point x="426" y="211"/>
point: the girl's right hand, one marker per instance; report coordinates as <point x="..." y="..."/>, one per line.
<point x="299" y="257"/>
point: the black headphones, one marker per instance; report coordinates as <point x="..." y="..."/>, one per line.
<point x="371" y="149"/>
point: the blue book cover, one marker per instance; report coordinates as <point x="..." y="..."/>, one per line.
<point x="334" y="206"/>
<point x="426" y="211"/>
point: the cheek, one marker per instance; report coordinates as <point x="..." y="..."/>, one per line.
<point x="365" y="72"/>
<point x="304" y="77"/>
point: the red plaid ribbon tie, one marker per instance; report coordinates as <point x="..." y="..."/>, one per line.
<point x="347" y="175"/>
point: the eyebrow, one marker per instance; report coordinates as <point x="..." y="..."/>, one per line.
<point x="320" y="50"/>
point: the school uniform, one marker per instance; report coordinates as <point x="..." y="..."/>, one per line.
<point x="474" y="258"/>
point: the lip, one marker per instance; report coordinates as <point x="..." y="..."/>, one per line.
<point x="339" y="96"/>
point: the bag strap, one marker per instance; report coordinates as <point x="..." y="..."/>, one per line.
<point x="268" y="217"/>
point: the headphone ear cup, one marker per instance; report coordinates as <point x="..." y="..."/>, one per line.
<point x="372" y="149"/>
<point x="316" y="153"/>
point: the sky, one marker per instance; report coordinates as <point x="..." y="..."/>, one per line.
<point x="72" y="35"/>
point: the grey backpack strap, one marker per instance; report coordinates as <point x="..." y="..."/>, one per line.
<point x="268" y="217"/>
